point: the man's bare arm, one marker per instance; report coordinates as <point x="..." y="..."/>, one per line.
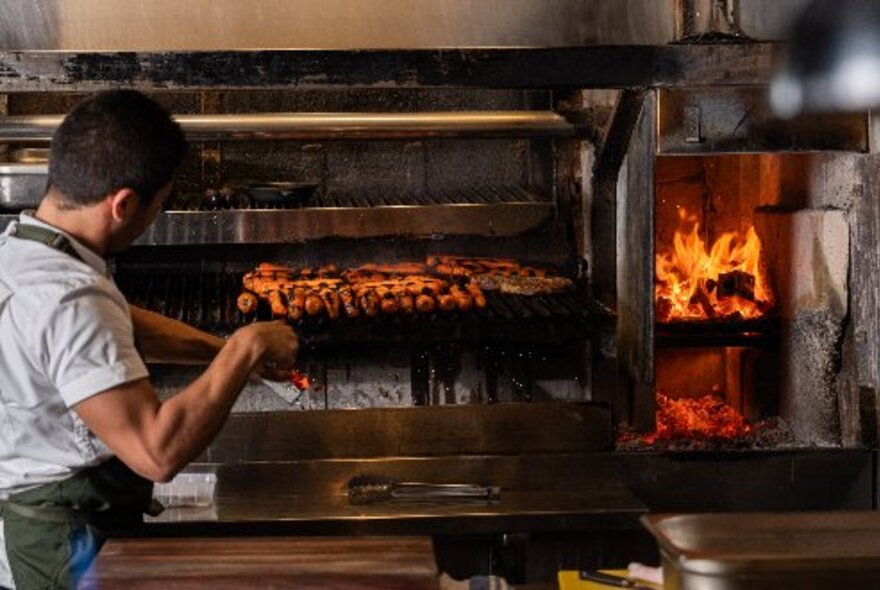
<point x="164" y="340"/>
<point x="157" y="439"/>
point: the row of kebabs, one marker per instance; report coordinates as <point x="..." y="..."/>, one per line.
<point x="441" y="283"/>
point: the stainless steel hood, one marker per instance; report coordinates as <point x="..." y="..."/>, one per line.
<point x="207" y="25"/>
<point x="175" y="25"/>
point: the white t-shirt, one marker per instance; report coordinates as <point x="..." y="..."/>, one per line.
<point x="65" y="335"/>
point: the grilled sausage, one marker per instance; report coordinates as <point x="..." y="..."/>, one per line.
<point x="348" y="302"/>
<point x="332" y="302"/>
<point x="477" y="294"/>
<point x="314" y="305"/>
<point x="446" y="302"/>
<point x="462" y="300"/>
<point x="247" y="303"/>
<point x="425" y="303"/>
<point x="407" y="303"/>
<point x="277" y="305"/>
<point x="370" y="303"/>
<point x="389" y="303"/>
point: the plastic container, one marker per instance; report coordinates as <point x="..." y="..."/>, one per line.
<point x="187" y="489"/>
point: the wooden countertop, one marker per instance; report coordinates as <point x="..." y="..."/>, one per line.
<point x="389" y="563"/>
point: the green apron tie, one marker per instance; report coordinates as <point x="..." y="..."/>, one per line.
<point x="54" y="531"/>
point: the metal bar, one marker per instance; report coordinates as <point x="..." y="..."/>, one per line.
<point x="330" y="126"/>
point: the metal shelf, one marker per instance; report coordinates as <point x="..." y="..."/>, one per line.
<point x="298" y="225"/>
<point x="480" y="211"/>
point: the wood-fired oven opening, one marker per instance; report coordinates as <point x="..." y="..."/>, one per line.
<point x="744" y="263"/>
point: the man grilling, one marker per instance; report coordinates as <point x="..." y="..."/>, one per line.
<point x="82" y="433"/>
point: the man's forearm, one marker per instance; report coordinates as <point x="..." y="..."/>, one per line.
<point x="163" y="340"/>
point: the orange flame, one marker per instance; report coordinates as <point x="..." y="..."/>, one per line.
<point x="728" y="281"/>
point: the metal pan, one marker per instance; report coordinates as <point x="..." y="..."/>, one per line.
<point x="768" y="551"/>
<point x="287" y="194"/>
<point x="22" y="185"/>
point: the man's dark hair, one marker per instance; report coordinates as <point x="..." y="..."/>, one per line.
<point x="113" y="140"/>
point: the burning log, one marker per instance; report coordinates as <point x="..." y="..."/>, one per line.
<point x="701" y="298"/>
<point x="736" y="283"/>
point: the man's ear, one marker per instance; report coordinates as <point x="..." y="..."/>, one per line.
<point x="123" y="204"/>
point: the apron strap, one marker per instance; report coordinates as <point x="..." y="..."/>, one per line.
<point x="53" y="239"/>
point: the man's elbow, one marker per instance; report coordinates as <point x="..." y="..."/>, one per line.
<point x="158" y="468"/>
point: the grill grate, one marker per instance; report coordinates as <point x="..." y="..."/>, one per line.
<point x="207" y="300"/>
<point x="237" y="200"/>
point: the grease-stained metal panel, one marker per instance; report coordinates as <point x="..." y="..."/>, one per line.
<point x="422" y="431"/>
<point x="172" y="25"/>
<point x="728" y="119"/>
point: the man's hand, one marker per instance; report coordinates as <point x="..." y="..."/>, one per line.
<point x="277" y="346"/>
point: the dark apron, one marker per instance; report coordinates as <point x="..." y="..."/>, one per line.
<point x="54" y="531"/>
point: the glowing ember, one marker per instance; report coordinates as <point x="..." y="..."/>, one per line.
<point x="725" y="282"/>
<point x="704" y="417"/>
<point x="703" y="423"/>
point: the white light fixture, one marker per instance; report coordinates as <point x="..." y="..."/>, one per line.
<point x="832" y="61"/>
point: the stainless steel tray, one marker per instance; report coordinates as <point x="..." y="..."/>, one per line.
<point x="22" y="185"/>
<point x="768" y="551"/>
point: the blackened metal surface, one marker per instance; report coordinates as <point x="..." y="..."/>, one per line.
<point x="591" y="67"/>
<point x="739" y="120"/>
<point x="413" y="432"/>
<point x="635" y="278"/>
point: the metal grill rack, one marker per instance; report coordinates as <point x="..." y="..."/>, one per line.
<point x="207" y="300"/>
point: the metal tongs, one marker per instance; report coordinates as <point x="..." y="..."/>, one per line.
<point x="368" y="491"/>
